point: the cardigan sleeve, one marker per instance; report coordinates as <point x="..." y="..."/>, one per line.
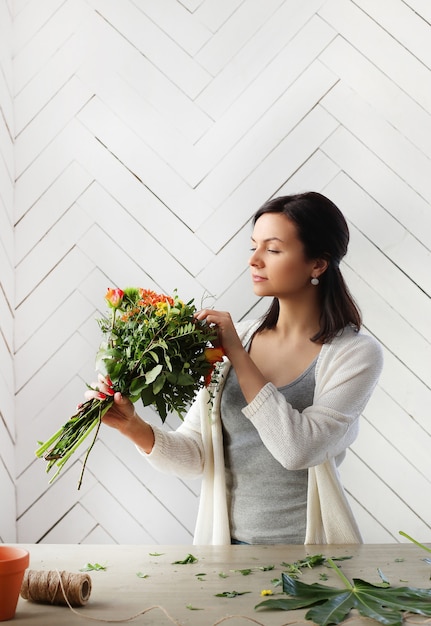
<point x="180" y="452"/>
<point x="346" y="373"/>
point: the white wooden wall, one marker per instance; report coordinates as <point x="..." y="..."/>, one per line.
<point x="146" y="134"/>
<point x="7" y="274"/>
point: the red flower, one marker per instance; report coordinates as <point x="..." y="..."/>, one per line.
<point x="114" y="297"/>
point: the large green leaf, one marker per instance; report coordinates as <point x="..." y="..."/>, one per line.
<point x="330" y="605"/>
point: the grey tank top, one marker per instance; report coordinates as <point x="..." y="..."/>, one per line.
<point x="267" y="503"/>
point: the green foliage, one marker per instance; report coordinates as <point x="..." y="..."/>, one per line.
<point x="330" y="605"/>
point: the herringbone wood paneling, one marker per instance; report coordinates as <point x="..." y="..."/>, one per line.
<point x="146" y="134"/>
<point x="7" y="281"/>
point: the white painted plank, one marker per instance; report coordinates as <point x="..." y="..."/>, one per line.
<point x="313" y="175"/>
<point x="394" y="469"/>
<point x="177" y="23"/>
<point x="144" y="163"/>
<point x="248" y="134"/>
<point x="391" y="329"/>
<point x="143" y="257"/>
<point x="30" y="59"/>
<point x="52" y="205"/>
<point x="422" y="8"/>
<point x="76" y="524"/>
<point x="97" y="535"/>
<point x="31" y="17"/>
<point x="50" y="164"/>
<point x="179" y="497"/>
<point x="49" y="380"/>
<point x="6" y="140"/>
<point x="392" y="103"/>
<point x="403" y="24"/>
<point x="7" y="302"/>
<point x="285" y="159"/>
<point x="380" y="47"/>
<point x="147" y="123"/>
<point x="371" y="529"/>
<point x="160" y="49"/>
<point x="380" y="248"/>
<point x="380" y="501"/>
<point x="94" y="41"/>
<point x="54" y="501"/>
<point x="381" y="182"/>
<point x="7" y="452"/>
<point x="7" y="406"/>
<point x="282" y="49"/>
<point x="234" y="33"/>
<point x="142" y="505"/>
<point x="49" y="122"/>
<point x="213" y="13"/>
<point x="7" y="511"/>
<point x="401" y="431"/>
<point x="167" y="98"/>
<point x="116" y="521"/>
<point x="6" y="192"/>
<point x="53" y="333"/>
<point x="387" y="143"/>
<point x="55" y="245"/>
<point x="412" y="395"/>
<point x="57" y="286"/>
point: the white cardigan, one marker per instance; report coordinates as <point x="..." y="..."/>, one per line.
<point x="347" y="371"/>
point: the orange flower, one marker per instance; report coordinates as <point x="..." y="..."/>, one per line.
<point x="213" y="356"/>
<point x="152" y="298"/>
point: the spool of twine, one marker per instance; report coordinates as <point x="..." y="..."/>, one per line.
<point x="54" y="587"/>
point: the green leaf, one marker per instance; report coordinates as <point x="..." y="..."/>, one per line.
<point x="193" y="608"/>
<point x="141" y="575"/>
<point x="93" y="567"/>
<point x="330" y="605"/>
<point x="151" y="376"/>
<point x="189" y="559"/>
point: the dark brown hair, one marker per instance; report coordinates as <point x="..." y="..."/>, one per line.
<point x="324" y="233"/>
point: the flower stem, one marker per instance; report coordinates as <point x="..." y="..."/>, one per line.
<point x="421" y="545"/>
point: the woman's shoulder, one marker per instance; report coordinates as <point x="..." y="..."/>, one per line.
<point x="356" y="342"/>
<point x="245" y="328"/>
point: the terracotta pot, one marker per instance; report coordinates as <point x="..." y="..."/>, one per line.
<point x="13" y="563"/>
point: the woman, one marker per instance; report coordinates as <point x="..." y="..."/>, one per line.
<point x="289" y="396"/>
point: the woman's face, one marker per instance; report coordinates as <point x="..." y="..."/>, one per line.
<point x="278" y="264"/>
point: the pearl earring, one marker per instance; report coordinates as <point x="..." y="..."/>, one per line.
<point x="314" y="281"/>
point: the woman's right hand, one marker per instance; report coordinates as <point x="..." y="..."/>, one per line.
<point x="122" y="415"/>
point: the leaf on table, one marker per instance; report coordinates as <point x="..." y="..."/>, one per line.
<point x="189" y="559"/>
<point x="330" y="605"/>
<point x="245" y="572"/>
<point x="231" y="594"/>
<point x="93" y="567"/>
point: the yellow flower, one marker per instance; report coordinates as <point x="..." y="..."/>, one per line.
<point x="266" y="592"/>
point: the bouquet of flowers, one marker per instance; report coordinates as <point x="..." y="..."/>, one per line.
<point x="153" y="349"/>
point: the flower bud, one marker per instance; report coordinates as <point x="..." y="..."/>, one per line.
<point x="114" y="297"/>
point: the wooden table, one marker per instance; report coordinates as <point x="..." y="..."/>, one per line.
<point x="186" y="592"/>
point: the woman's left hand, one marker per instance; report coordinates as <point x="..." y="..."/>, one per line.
<point x="227" y="335"/>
